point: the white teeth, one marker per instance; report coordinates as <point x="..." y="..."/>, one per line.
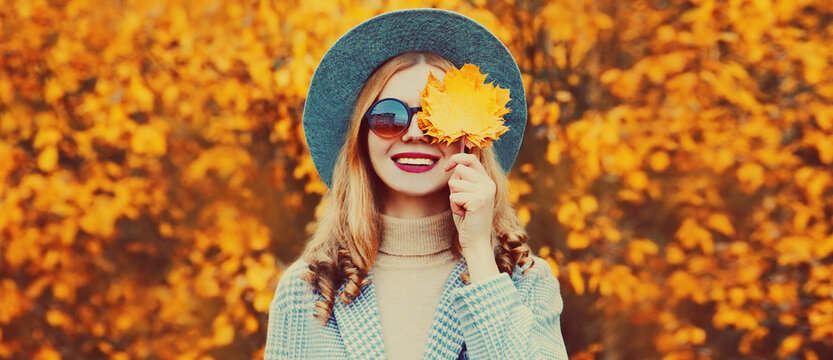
<point x="415" y="161"/>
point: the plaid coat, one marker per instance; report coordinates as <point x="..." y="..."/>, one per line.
<point x="495" y="318"/>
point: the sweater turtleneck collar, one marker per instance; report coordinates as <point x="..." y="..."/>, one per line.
<point x="417" y="236"/>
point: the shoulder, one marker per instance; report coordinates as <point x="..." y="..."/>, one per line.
<point x="539" y="280"/>
<point x="535" y="267"/>
<point x="292" y="289"/>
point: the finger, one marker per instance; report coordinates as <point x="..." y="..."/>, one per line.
<point x="461" y="158"/>
<point x="469" y="160"/>
<point x="457" y="209"/>
<point x="460" y="185"/>
<point x="467" y="201"/>
<point x="460" y="202"/>
<point x="467" y="173"/>
<point x="457" y="206"/>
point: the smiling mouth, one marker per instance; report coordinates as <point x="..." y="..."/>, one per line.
<point x="415" y="164"/>
<point x="415" y="161"/>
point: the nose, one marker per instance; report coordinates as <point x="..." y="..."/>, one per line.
<point x="414" y="133"/>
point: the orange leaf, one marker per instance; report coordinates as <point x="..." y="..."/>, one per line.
<point x="721" y="223"/>
<point x="48" y="158"/>
<point x="463" y="106"/>
<point x="574" y="270"/>
<point x="790" y="345"/>
<point x="47" y="353"/>
<point x="577" y="240"/>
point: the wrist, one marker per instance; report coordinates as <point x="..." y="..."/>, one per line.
<point x="479" y="247"/>
<point x="478" y="253"/>
<point x="481" y="262"/>
<point x="475" y="241"/>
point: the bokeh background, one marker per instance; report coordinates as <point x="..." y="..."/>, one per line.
<point x="676" y="171"/>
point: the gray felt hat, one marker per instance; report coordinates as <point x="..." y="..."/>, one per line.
<point x="341" y="74"/>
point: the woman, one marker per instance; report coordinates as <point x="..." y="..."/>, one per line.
<point x="417" y="252"/>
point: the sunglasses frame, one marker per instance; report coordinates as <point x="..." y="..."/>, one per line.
<point x="411" y="111"/>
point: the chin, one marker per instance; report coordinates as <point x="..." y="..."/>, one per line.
<point x="418" y="188"/>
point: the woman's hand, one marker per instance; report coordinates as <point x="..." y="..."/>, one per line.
<point x="472" y="200"/>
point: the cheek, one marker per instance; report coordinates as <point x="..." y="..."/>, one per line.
<point x="375" y="148"/>
<point x="448" y="150"/>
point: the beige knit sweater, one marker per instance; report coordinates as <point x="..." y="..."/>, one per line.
<point x="413" y="264"/>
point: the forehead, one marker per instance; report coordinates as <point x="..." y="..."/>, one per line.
<point x="406" y="84"/>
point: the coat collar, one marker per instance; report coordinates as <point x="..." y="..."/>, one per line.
<point x="361" y="329"/>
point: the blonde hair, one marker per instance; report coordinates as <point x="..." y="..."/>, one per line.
<point x="345" y="235"/>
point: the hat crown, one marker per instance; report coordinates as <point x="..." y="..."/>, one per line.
<point x="349" y="62"/>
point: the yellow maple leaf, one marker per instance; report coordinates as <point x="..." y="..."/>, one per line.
<point x="462" y="105"/>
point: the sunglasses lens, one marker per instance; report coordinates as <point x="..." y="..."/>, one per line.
<point x="388" y="118"/>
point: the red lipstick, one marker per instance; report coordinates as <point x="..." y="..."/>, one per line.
<point x="416" y="168"/>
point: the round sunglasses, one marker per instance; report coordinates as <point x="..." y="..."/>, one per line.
<point x="390" y="117"/>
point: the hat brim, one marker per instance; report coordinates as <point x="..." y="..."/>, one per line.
<point x="350" y="61"/>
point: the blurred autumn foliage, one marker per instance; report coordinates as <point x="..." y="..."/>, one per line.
<point x="676" y="171"/>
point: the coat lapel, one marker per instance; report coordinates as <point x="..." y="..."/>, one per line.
<point x="361" y="329"/>
<point x="445" y="340"/>
<point x="359" y="324"/>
